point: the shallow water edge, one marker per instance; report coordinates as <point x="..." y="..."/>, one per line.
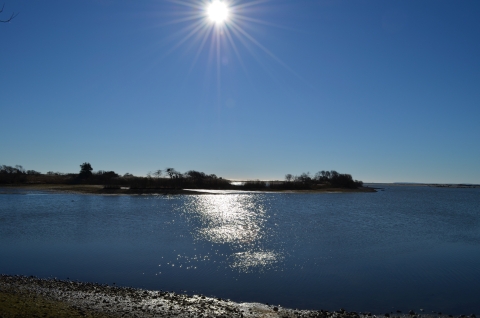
<point x="99" y="189"/>
<point x="96" y="300"/>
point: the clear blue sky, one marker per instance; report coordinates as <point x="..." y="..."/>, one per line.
<point x="384" y="90"/>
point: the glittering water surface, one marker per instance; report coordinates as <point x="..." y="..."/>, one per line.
<point x="402" y="248"/>
<point x="239" y="221"/>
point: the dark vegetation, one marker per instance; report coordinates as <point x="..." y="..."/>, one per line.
<point x="321" y="180"/>
<point x="170" y="178"/>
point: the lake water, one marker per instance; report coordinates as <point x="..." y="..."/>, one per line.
<point x="403" y="248"/>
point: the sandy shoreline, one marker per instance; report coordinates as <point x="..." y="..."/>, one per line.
<point x="99" y="189"/>
<point x="22" y="296"/>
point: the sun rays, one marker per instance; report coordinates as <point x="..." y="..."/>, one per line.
<point x="215" y="27"/>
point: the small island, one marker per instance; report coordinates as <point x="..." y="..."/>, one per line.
<point x="171" y="181"/>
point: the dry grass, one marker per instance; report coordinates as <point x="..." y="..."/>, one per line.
<point x="27" y="304"/>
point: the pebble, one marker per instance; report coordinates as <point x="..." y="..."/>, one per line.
<point x="142" y="303"/>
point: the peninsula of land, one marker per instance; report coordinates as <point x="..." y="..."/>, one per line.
<point x="170" y="181"/>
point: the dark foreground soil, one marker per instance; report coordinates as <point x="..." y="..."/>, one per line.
<point x="22" y="296"/>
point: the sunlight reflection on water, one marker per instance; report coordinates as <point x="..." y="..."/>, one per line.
<point x="246" y="261"/>
<point x="408" y="247"/>
<point x="238" y="220"/>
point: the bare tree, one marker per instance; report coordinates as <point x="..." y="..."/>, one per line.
<point x="11" y="17"/>
<point x="20" y="169"/>
<point x="288" y="177"/>
<point x="172" y="173"/>
<point x="158" y="173"/>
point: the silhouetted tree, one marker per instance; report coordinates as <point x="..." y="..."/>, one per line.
<point x="158" y="173"/>
<point x="172" y="173"/>
<point x="20" y="169"/>
<point x="304" y="178"/>
<point x="319" y="176"/>
<point x="12" y="170"/>
<point x="288" y="177"/>
<point x="11" y="17"/>
<point x="10" y="174"/>
<point x="196" y="176"/>
<point x="106" y="174"/>
<point x="109" y="178"/>
<point x="85" y="170"/>
<point x="343" y="180"/>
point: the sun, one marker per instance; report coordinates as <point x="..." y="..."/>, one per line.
<point x="222" y="29"/>
<point x="217" y="11"/>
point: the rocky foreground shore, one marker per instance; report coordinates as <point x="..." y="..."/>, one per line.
<point x="22" y="296"/>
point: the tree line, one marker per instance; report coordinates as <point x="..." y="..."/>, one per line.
<point x="330" y="178"/>
<point x="171" y="178"/>
<point x="166" y="178"/>
<point x="322" y="179"/>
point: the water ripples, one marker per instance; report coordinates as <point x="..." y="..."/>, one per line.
<point x="403" y="247"/>
<point x="238" y="221"/>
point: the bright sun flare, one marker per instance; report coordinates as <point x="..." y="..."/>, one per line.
<point x="217" y="11"/>
<point x="221" y="28"/>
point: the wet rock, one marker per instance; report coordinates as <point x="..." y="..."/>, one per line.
<point x="130" y="302"/>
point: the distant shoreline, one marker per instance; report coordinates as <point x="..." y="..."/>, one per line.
<point x="435" y="185"/>
<point x="99" y="189"/>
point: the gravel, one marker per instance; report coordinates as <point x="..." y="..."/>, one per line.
<point x="96" y="300"/>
